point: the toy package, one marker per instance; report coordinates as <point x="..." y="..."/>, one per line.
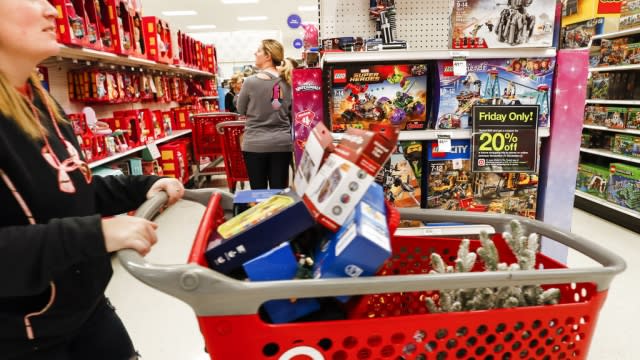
<point x="365" y="94"/>
<point x="449" y="175"/>
<point x="517" y="81"/>
<point x="633" y="119"/>
<point x="317" y="148"/>
<point x="595" y="115"/>
<point x="401" y="176"/>
<point x="593" y="179"/>
<point x="616" y="117"/>
<point x="629" y="14"/>
<point x="624" y="186"/>
<point x="306" y="108"/>
<point x="503" y="24"/>
<point x="578" y="35"/>
<point x="628" y="145"/>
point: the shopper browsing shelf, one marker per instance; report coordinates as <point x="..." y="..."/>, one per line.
<point x="265" y="99"/>
<point x="54" y="244"/>
<point x="231" y="99"/>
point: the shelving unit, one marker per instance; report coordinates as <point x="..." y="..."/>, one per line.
<point x="614" y="102"/>
<point x="604" y="128"/>
<point x="176" y="134"/>
<point x="617" y="214"/>
<point x="615" y="68"/>
<point x="610" y="154"/>
<point x="409" y="135"/>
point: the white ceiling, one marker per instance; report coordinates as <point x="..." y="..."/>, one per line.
<point x="235" y="40"/>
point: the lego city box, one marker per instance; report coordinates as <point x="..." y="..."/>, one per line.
<point x="280" y="263"/>
<point x="347" y="173"/>
<point x="362" y="243"/>
<point x="477" y="24"/>
<point x="513" y="81"/>
<point x="257" y="230"/>
<point x="317" y="148"/>
<point x="593" y="179"/>
<point x="449" y="177"/>
<point x="364" y="94"/>
<point x="624" y="185"/>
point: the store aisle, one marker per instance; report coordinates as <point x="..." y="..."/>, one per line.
<point x="163" y="328"/>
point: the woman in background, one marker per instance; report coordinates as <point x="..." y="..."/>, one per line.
<point x="235" y="84"/>
<point x="265" y="99"/>
<point x="55" y="245"/>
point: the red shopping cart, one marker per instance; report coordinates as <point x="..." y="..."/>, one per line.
<point x="207" y="149"/>
<point x="230" y="133"/>
<point x="392" y="321"/>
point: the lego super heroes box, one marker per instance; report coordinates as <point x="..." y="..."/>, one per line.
<point x="514" y="81"/>
<point x="364" y="94"/>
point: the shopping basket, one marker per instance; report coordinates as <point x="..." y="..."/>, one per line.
<point x="230" y="133"/>
<point x="206" y="142"/>
<point x="227" y="309"/>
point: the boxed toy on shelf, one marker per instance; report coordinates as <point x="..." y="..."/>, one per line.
<point x="624" y="185"/>
<point x="512" y="23"/>
<point x="516" y="81"/>
<point x="629" y="14"/>
<point x="402" y="175"/>
<point x="157" y="39"/>
<point x="628" y="145"/>
<point x="364" y="94"/>
<point x="595" y="115"/>
<point x="593" y="179"/>
<point x="578" y="35"/>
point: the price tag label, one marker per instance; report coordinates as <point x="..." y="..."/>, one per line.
<point x="457" y="164"/>
<point x="505" y="138"/>
<point x="444" y="143"/>
<point x="459" y="66"/>
<point x="153" y="150"/>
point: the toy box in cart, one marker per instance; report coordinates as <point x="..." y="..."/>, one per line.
<point x="365" y="94"/>
<point x="477" y="24"/>
<point x="515" y="81"/>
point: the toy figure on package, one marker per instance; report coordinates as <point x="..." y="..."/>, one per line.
<point x="616" y="117"/>
<point x="518" y="81"/>
<point x="364" y="94"/>
<point x="402" y="175"/>
<point x="595" y="115"/>
<point x="578" y="35"/>
<point x="522" y="23"/>
<point x="633" y="119"/>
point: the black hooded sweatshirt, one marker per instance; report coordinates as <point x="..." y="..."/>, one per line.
<point x="65" y="246"/>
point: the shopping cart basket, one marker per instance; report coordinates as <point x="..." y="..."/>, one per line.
<point x="227" y="309"/>
<point x="207" y="142"/>
<point x="230" y="133"/>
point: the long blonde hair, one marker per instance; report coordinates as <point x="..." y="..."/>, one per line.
<point x="13" y="105"/>
<point x="286" y="69"/>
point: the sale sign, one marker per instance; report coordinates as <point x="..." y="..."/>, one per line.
<point x="505" y="138"/>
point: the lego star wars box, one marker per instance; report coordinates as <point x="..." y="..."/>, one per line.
<point x="257" y="230"/>
<point x="624" y="186"/>
<point x="401" y="176"/>
<point x="317" y="147"/>
<point x="364" y="94"/>
<point x="515" y="81"/>
<point x="347" y="173"/>
<point x="593" y="179"/>
<point x="361" y="245"/>
<point x="578" y="35"/>
<point x="503" y="24"/>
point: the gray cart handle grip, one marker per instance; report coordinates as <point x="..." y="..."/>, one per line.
<point x="211" y="293"/>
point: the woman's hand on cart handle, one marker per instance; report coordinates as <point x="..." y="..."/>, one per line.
<point x="173" y="188"/>
<point x="128" y="232"/>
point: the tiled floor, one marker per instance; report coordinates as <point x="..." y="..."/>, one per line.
<point x="163" y="328"/>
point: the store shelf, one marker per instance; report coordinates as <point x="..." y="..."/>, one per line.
<point x="615" y="68"/>
<point x="616" y="34"/>
<point x="433" y="134"/>
<point x="610" y="154"/>
<point x="109" y="59"/>
<point x="604" y="128"/>
<point x="176" y="134"/>
<point x="607" y="210"/>
<point x="404" y="55"/>
<point x="614" y="102"/>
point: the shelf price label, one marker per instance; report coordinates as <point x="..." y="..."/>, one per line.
<point x="505" y="138"/>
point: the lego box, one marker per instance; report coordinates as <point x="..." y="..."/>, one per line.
<point x="624" y="185"/>
<point x="503" y="24"/>
<point x="515" y="81"/>
<point x="347" y="173"/>
<point x="318" y="146"/>
<point x="578" y="35"/>
<point x="402" y="175"/>
<point x="593" y="179"/>
<point x="364" y="94"/>
<point x="449" y="175"/>
<point x="257" y="230"/>
<point x="361" y="245"/>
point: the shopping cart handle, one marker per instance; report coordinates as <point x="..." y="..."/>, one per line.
<point x="221" y="125"/>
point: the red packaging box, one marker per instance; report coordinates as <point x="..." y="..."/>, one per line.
<point x="71" y="22"/>
<point x="173" y="160"/>
<point x="121" y="27"/>
<point x="181" y="119"/>
<point x="157" y="38"/>
<point x="210" y="56"/>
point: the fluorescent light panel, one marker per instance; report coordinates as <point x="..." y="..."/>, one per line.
<point x="180" y="13"/>
<point x="201" y="27"/>
<point x="252" y="18"/>
<point x="239" y="1"/>
<point x="303" y="8"/>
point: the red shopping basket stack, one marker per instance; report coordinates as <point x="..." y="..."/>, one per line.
<point x="230" y="133"/>
<point x="206" y="140"/>
<point x="398" y="325"/>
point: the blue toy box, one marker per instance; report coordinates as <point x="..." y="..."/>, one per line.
<point x="361" y="245"/>
<point x="280" y="264"/>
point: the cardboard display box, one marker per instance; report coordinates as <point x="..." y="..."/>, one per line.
<point x="317" y="148"/>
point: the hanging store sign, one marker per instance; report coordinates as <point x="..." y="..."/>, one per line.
<point x="294" y="21"/>
<point x="505" y="138"/>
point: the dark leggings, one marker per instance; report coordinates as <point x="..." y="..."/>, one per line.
<point x="268" y="170"/>
<point x="102" y="337"/>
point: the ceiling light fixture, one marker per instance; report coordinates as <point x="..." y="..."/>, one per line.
<point x="180" y="13"/>
<point x="201" y="27"/>
<point x="252" y="18"/>
<point x="303" y="8"/>
<point x="239" y="2"/>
